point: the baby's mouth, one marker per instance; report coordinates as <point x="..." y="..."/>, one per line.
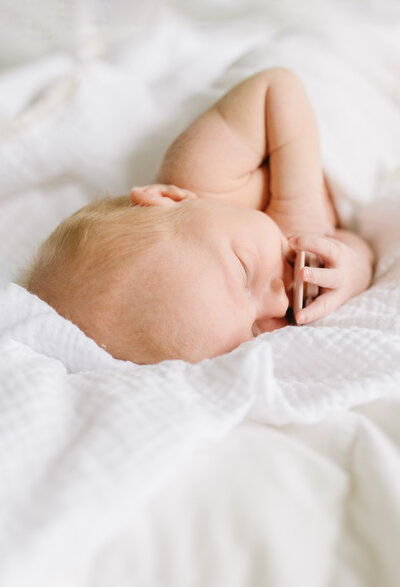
<point x="288" y="282"/>
<point x="290" y="316"/>
<point x="289" y="286"/>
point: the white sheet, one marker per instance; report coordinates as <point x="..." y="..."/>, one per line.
<point x="87" y="441"/>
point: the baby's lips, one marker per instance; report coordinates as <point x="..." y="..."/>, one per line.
<point x="291" y="256"/>
<point x="288" y="281"/>
<point x="289" y="294"/>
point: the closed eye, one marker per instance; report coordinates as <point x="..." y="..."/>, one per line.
<point x="245" y="271"/>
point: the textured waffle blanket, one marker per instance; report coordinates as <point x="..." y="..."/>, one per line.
<point x="85" y="440"/>
<point x="81" y="431"/>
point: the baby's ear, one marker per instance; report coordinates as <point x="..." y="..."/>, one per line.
<point x="160" y="195"/>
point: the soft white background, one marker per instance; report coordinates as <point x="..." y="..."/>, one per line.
<point x="116" y="474"/>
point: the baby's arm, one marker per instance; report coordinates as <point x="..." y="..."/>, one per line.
<point x="258" y="146"/>
<point x="348" y="268"/>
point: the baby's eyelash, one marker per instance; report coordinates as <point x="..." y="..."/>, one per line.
<point x="243" y="264"/>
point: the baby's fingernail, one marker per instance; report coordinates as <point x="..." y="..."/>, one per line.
<point x="301" y="318"/>
<point x="307" y="272"/>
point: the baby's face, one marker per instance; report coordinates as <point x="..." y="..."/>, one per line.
<point x="223" y="283"/>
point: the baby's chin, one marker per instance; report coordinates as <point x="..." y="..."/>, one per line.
<point x="276" y="323"/>
<point x="284" y="321"/>
<point x="279" y="323"/>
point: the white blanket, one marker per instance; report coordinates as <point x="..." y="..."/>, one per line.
<point x="87" y="440"/>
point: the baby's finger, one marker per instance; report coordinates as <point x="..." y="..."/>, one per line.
<point x="322" y="305"/>
<point x="329" y="278"/>
<point x="324" y="247"/>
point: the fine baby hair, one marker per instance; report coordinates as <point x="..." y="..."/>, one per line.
<point x="84" y="269"/>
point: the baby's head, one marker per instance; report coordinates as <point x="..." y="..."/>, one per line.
<point x="164" y="274"/>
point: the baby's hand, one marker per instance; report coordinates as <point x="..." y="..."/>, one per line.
<point x="348" y="263"/>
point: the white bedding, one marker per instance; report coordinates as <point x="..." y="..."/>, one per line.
<point x="117" y="474"/>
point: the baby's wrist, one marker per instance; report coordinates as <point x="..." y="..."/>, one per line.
<point x="314" y="200"/>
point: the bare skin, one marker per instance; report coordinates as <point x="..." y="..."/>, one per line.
<point x="239" y="182"/>
<point x="258" y="147"/>
<point x="221" y="283"/>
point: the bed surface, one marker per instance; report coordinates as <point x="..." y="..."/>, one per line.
<point x="278" y="464"/>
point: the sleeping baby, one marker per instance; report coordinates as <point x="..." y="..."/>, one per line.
<point x="202" y="260"/>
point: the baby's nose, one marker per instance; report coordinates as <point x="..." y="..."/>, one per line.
<point x="277" y="303"/>
<point x="274" y="304"/>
